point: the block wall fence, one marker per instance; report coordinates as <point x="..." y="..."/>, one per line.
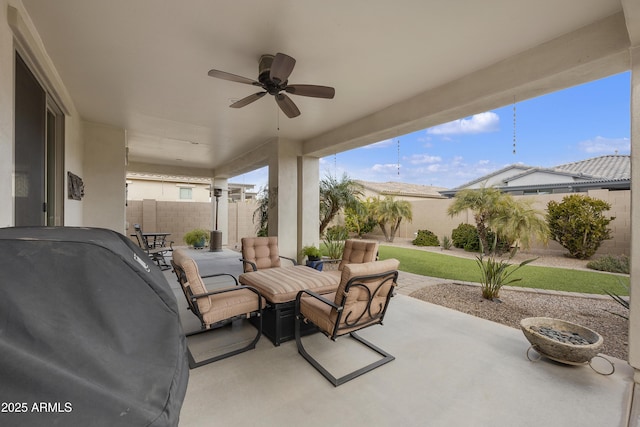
<point x="178" y="218"/>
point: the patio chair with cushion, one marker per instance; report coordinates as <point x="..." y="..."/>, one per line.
<point x="216" y="308"/>
<point x="360" y="301"/>
<point x="260" y="253"/>
<point x="355" y="252"/>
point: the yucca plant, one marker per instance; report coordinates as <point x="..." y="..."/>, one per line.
<point x="446" y="243"/>
<point x="620" y="300"/>
<point x="497" y="273"/>
<point x="334" y="241"/>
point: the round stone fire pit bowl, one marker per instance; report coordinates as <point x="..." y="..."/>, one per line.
<point x="562" y="341"/>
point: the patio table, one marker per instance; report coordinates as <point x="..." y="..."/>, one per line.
<point x="154" y="240"/>
<point x="280" y="286"/>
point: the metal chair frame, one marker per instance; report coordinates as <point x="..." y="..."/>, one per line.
<point x="192" y="300"/>
<point x="350" y="325"/>
<point x="157" y="254"/>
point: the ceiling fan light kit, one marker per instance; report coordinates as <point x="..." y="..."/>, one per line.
<point x="273" y="75"/>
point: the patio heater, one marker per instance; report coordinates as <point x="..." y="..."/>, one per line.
<point x="215" y="242"/>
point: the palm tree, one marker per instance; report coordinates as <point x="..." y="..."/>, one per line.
<point x="261" y="214"/>
<point x="484" y="203"/>
<point x="335" y="195"/>
<point x="517" y="221"/>
<point x="391" y="212"/>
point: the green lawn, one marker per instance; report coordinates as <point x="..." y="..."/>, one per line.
<point x="455" y="268"/>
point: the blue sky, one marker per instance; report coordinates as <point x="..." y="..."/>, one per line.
<point x="578" y="123"/>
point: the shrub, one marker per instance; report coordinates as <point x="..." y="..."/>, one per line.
<point x="358" y="220"/>
<point x="466" y="236"/>
<point x="426" y="238"/>
<point x="578" y="224"/>
<point x="610" y="263"/>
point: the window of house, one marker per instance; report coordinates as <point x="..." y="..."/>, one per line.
<point x="186" y="193"/>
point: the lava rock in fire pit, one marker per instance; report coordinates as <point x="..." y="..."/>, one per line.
<point x="562" y="336"/>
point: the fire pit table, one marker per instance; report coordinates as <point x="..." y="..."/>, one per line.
<point x="563" y="342"/>
<point x="280" y="286"/>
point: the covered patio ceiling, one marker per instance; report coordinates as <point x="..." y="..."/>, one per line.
<point x="396" y="66"/>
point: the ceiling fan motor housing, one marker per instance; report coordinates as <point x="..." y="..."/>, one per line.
<point x="264" y="68"/>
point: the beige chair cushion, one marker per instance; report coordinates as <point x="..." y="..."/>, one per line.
<point x="282" y="284"/>
<point x="358" y="252"/>
<point x="194" y="281"/>
<point x="229" y="304"/>
<point x="355" y="304"/>
<point x="215" y="308"/>
<point x="262" y="251"/>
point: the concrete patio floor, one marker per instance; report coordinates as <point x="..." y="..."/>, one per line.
<point x="451" y="369"/>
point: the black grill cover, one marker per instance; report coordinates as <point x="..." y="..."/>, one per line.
<point x="89" y="332"/>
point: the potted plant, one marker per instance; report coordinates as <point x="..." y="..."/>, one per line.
<point x="197" y="238"/>
<point x="311" y="252"/>
<point x="313" y="255"/>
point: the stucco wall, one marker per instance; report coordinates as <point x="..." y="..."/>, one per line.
<point x="73" y="150"/>
<point x="104" y="177"/>
<point x="178" y="218"/>
<point x="432" y="215"/>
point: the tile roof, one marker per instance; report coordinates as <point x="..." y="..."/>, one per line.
<point x="516" y="166"/>
<point x="402" y="189"/>
<point x="604" y="167"/>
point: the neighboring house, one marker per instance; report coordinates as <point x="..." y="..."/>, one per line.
<point x="611" y="172"/>
<point x="180" y="189"/>
<point x="401" y="190"/>
<point x="177" y="205"/>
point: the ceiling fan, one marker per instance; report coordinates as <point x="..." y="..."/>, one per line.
<point x="273" y="77"/>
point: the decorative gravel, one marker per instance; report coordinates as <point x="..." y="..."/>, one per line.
<point x="593" y="313"/>
<point x="565" y="337"/>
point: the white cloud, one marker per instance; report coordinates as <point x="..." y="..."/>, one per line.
<point x="457" y="161"/>
<point x="478" y="123"/>
<point x="380" y="144"/>
<point x="418" y="159"/>
<point x="386" y="168"/>
<point x="602" y="145"/>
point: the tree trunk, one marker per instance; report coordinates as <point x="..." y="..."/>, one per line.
<point x="482" y="234"/>
<point x="383" y="227"/>
<point x="395" y="228"/>
<point x="325" y="221"/>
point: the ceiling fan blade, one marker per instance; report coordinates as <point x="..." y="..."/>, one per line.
<point x="232" y="77"/>
<point x="287" y="106"/>
<point x="247" y="100"/>
<point x="311" y="90"/>
<point x="281" y="67"/>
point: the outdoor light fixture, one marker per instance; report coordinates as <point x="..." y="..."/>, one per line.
<point x="216" y="236"/>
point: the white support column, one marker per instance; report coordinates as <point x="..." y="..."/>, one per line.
<point x="308" y="201"/>
<point x="634" y="315"/>
<point x="631" y="10"/>
<point x="283" y="195"/>
<point x="223" y="208"/>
